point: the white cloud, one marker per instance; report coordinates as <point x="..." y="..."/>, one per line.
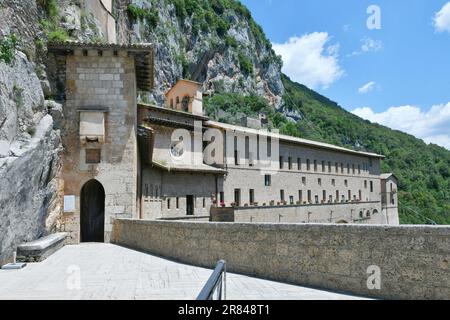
<point x="367" y="45"/>
<point x="442" y="19"/>
<point x="433" y="126"/>
<point x="367" y="87"/>
<point x="310" y="61"/>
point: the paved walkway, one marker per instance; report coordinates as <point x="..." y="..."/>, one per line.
<point x="106" y="271"/>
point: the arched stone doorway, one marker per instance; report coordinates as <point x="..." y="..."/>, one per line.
<point x="92" y="217"/>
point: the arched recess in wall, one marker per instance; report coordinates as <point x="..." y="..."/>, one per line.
<point x="375" y="212"/>
<point x="368" y="214"/>
<point x="185" y="103"/>
<point x="92" y="215"/>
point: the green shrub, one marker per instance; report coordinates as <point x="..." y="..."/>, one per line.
<point x="231" y="42"/>
<point x="58" y="35"/>
<point x="8" y="46"/>
<point x="180" y="9"/>
<point x="245" y="64"/>
<point x="50" y="7"/>
<point x="182" y="60"/>
<point x="151" y="16"/>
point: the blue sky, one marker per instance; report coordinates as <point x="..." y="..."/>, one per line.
<point x="398" y="75"/>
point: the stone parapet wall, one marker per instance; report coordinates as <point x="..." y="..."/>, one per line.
<point x="358" y="212"/>
<point x="414" y="261"/>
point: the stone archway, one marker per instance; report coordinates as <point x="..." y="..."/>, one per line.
<point x="92" y="215"/>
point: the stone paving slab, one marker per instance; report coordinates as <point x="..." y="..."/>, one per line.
<point x="109" y="272"/>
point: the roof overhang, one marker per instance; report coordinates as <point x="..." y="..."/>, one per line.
<point x="293" y="140"/>
<point x="143" y="54"/>
<point x="194" y="168"/>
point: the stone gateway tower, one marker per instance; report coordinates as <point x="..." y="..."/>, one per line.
<point x="98" y="86"/>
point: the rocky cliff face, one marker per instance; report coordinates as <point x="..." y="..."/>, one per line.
<point x="215" y="42"/>
<point x="221" y="47"/>
<point x="29" y="145"/>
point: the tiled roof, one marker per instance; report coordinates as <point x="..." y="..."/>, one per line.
<point x="290" y="139"/>
<point x="99" y="46"/>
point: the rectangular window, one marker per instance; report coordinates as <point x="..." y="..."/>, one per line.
<point x="299" y="164"/>
<point x="317" y="199"/>
<point x="267" y="180"/>
<point x="190" y="205"/>
<point x="319" y="181"/>
<point x="342" y="167"/>
<point x="346" y="183"/>
<point x="315" y="165"/>
<point x="371" y="186"/>
<point x="333" y="182"/>
<point x="204" y="202"/>
<point x="290" y="163"/>
<point x="365" y="184"/>
<point x="291" y="200"/>
<point x="282" y="195"/>
<point x="237" y="197"/>
<point x="168" y="203"/>
<point x="337" y="167"/>
<point x="349" y="195"/>
<point x="236" y="158"/>
<point x="329" y="167"/>
<point x="300" y="196"/>
<point x="308" y="165"/>
<point x="252" y="196"/>
<point x="359" y="169"/>
<point x="337" y="195"/>
<point x="222" y="197"/>
<point x="348" y="168"/>
<point x="304" y="181"/>
<point x="281" y="162"/>
<point x="323" y="166"/>
<point x="309" y="196"/>
<point x="353" y="169"/>
<point x="360" y="195"/>
<point x="93" y="156"/>
<point x="178" y="203"/>
<point x="324" y="195"/>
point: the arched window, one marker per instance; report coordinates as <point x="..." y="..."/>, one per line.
<point x="185" y="104"/>
<point x="368" y="214"/>
<point x="361" y="214"/>
<point x="375" y="212"/>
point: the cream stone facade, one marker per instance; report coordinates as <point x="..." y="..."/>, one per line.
<point x="122" y="159"/>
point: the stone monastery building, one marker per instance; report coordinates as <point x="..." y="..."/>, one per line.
<point x="121" y="160"/>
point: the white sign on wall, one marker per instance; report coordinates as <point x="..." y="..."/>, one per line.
<point x="69" y="203"/>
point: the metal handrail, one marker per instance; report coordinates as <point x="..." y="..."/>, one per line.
<point x="216" y="283"/>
